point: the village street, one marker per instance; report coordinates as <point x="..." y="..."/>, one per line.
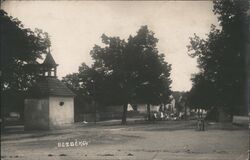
<point x="170" y="140"/>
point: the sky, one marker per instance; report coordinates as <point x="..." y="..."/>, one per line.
<point x="76" y="26"/>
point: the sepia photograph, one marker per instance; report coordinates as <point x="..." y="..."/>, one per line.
<point x="125" y="80"/>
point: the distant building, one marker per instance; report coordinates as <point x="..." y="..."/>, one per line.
<point x="171" y="106"/>
<point x="142" y="108"/>
<point x="50" y="104"/>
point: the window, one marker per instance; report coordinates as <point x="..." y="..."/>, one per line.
<point x="61" y="103"/>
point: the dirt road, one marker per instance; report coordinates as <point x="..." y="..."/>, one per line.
<point x="176" y="140"/>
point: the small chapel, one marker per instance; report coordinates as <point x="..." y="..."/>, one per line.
<point x="50" y="104"/>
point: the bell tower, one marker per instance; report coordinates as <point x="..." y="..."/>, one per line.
<point x="49" y="67"/>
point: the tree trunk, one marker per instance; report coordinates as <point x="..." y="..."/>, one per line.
<point x="185" y="112"/>
<point x="124" y="114"/>
<point x="2" y="124"/>
<point x="148" y="110"/>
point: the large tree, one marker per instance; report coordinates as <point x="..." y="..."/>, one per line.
<point x="137" y="71"/>
<point x="126" y="72"/>
<point x="153" y="73"/>
<point x="20" y="48"/>
<point x="222" y="59"/>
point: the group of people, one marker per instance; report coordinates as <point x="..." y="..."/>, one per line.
<point x="167" y="116"/>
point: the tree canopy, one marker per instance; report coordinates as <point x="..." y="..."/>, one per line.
<point x="20" y="47"/>
<point x="222" y="59"/>
<point x="126" y="72"/>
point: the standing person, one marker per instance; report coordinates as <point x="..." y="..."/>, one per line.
<point x="155" y="116"/>
<point x="161" y="115"/>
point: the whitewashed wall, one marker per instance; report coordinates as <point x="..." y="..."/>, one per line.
<point x="61" y="115"/>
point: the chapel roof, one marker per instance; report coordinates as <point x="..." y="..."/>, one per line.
<point x="49" y="60"/>
<point x="50" y="86"/>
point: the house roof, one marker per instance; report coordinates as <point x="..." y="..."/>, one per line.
<point x="50" y="86"/>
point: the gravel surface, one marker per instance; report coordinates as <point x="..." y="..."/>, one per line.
<point x="171" y="140"/>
